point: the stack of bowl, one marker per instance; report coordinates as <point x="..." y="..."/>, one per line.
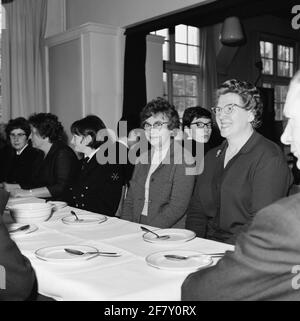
<point x="30" y="212"/>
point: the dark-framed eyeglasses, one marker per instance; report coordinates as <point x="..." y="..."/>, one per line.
<point x="157" y="125"/>
<point x="227" y="109"/>
<point x="200" y="124"/>
<point x="19" y="135"/>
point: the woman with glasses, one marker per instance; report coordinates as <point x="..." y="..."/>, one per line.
<point x="198" y="126"/>
<point x="161" y="185"/>
<point x="244" y="174"/>
<point x="54" y="170"/>
<point x="18" y="157"/>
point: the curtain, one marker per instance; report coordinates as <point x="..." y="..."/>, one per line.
<point x="135" y="96"/>
<point x="208" y="67"/>
<point x="23" y="80"/>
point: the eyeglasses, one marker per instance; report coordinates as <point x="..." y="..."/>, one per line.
<point x="200" y="124"/>
<point x="157" y="125"/>
<point x="227" y="109"/>
<point x="17" y="135"/>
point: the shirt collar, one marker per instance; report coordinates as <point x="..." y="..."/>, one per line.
<point x="19" y="152"/>
<point x="90" y="156"/>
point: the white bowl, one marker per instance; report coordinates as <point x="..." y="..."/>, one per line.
<point x="30" y="212"/>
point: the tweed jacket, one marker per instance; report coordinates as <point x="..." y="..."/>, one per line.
<point x="170" y="190"/>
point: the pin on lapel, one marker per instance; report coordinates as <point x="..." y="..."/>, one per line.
<point x="218" y="152"/>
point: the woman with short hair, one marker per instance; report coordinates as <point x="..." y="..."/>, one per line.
<point x="244" y="174"/>
<point x="160" y="189"/>
<point x="57" y="165"/>
<point x="97" y="187"/>
<point x="18" y="157"/>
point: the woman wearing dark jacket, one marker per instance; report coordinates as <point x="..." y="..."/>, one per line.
<point x="98" y="186"/>
<point x="19" y="156"/>
<point x="55" y="169"/>
<point x="244" y="174"/>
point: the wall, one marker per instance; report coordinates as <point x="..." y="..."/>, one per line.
<point x="121" y="13"/>
<point x="242" y="63"/>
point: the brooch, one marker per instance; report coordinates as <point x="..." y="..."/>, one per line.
<point x="218" y="152"/>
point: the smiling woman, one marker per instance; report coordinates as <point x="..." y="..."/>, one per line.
<point x="244" y="174"/>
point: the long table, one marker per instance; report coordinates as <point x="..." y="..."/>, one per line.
<point x="125" y="278"/>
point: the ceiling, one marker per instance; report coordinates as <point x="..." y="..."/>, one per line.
<point x="215" y="12"/>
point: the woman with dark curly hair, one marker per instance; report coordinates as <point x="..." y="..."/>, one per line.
<point x="160" y="189"/>
<point x="244" y="174"/>
<point x="18" y="157"/>
<point x="56" y="167"/>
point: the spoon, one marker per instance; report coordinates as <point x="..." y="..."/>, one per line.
<point x="186" y="257"/>
<point x="77" y="252"/>
<point x="161" y="237"/>
<point x="76" y="217"/>
<point x="21" y="228"/>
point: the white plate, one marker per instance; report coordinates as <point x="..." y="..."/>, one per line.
<point x="87" y="219"/>
<point x="58" y="205"/>
<point x="177" y="236"/>
<point x="57" y="254"/>
<point x="23" y="200"/>
<point x="11" y="227"/>
<point x="159" y="261"/>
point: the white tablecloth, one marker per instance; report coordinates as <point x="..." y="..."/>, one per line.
<point x="127" y="277"/>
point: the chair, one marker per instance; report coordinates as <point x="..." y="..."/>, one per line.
<point x="123" y="195"/>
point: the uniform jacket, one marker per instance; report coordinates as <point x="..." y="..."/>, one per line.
<point x="97" y="188"/>
<point x="225" y="200"/>
<point x="170" y="190"/>
<point x="264" y="265"/>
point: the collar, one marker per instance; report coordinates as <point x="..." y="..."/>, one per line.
<point x="247" y="147"/>
<point x="21" y="151"/>
<point x="90" y="156"/>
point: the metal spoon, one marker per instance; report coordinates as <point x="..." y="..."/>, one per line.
<point x="161" y="237"/>
<point x="186" y="257"/>
<point x="21" y="228"/>
<point x="77" y="252"/>
<point x="76" y="217"/>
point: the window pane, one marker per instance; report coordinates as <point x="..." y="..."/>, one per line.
<point x="179" y="103"/>
<point x="181" y="53"/>
<point x="267" y="85"/>
<point x="266" y="49"/>
<point x="280" y="97"/>
<point x="267" y="66"/>
<point x="191" y="85"/>
<point x="284" y="69"/>
<point x="193" y="55"/>
<point x="166" y="51"/>
<point x="193" y="36"/>
<point x="178" y="85"/>
<point x="191" y="102"/>
<point x="181" y="33"/>
<point x="165" y="84"/>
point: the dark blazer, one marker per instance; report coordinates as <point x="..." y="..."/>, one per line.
<point x="264" y="265"/>
<point x="56" y="171"/>
<point x="170" y="191"/>
<point x="97" y="188"/>
<point x="225" y="200"/>
<point x="18" y="169"/>
<point x="19" y="278"/>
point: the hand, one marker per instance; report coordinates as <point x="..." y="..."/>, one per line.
<point x="19" y="192"/>
<point x="10" y="187"/>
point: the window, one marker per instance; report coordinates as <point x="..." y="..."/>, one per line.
<point x="181" y="55"/>
<point x="278" y="68"/>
